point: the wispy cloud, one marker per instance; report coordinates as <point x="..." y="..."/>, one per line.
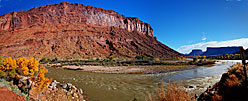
<point x="204" y="36"/>
<point x="233" y="0"/>
<point x="203" y="45"/>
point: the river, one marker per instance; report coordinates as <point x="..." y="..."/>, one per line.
<point x="126" y="87"/>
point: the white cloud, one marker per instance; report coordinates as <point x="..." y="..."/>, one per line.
<point x="203" y="45"/>
<point x="204" y="36"/>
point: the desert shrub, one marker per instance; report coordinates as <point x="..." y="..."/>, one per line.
<point x="97" y="59"/>
<point x="234" y="68"/>
<point x="231" y="81"/>
<point x="138" y="57"/>
<point x="48" y="60"/>
<point x="174" y="93"/>
<point x="43" y="60"/>
<point x="148" y="58"/>
<point x="142" y="57"/>
<point x="110" y="58"/>
<point x="55" y="59"/>
<point x="89" y="58"/>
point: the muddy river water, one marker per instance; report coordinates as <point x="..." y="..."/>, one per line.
<point x="126" y="87"/>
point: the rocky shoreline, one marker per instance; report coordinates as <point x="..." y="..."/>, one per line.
<point x="53" y="88"/>
<point x="68" y="88"/>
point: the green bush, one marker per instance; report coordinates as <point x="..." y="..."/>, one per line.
<point x="97" y="59"/>
<point x="43" y="60"/>
<point x="55" y="59"/>
<point x="110" y="58"/>
<point x="138" y="57"/>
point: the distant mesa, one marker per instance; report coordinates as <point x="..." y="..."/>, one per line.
<point x="72" y="30"/>
<point x="215" y="51"/>
<point x="196" y="52"/>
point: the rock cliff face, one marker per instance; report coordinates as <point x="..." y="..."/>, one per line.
<point x="66" y="13"/>
<point x="72" y="30"/>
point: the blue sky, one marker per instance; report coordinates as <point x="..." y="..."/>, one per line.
<point x="176" y="23"/>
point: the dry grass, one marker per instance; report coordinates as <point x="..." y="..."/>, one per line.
<point x="216" y="97"/>
<point x="232" y="81"/>
<point x="174" y="93"/>
<point x="234" y="68"/>
<point x="235" y="76"/>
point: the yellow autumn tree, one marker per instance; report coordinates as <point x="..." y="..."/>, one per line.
<point x="22" y="67"/>
<point x="204" y="57"/>
<point x="157" y="59"/>
<point x="41" y="81"/>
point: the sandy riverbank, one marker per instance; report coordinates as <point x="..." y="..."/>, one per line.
<point x="130" y="69"/>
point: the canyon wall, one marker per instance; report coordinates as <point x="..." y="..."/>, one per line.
<point x="75" y="13"/>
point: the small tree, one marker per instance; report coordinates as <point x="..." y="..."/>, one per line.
<point x="203" y="57"/>
<point x="178" y="58"/>
<point x="157" y="59"/>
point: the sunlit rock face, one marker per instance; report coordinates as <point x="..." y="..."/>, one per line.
<point x="72" y="30"/>
<point x="66" y="13"/>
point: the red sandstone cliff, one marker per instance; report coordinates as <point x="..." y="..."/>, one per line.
<point x="66" y="13"/>
<point x="71" y="30"/>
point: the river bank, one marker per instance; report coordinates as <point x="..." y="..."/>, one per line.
<point x="130" y="66"/>
<point x="126" y="87"/>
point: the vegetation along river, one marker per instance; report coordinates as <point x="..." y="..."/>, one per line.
<point x="126" y="87"/>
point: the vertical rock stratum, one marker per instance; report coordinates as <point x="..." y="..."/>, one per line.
<point x="72" y="30"/>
